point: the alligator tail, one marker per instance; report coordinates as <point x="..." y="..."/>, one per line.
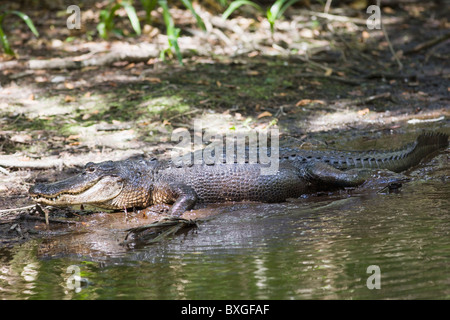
<point x="427" y="144"/>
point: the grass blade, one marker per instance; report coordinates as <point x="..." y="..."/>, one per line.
<point x="172" y="32"/>
<point x="236" y="4"/>
<point x="27" y="20"/>
<point x="5" y="43"/>
<point x="131" y="12"/>
<point x="188" y="5"/>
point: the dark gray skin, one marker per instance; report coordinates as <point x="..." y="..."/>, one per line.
<point x="143" y="183"/>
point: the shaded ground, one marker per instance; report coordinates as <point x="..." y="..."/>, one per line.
<point x="322" y="81"/>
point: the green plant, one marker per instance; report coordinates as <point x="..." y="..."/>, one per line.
<point x="273" y="13"/>
<point x="106" y="23"/>
<point x="3" y="39"/>
<point x="172" y="32"/>
<point x="107" y="20"/>
<point x="149" y="5"/>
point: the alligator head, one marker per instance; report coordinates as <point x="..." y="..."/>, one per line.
<point x="106" y="185"/>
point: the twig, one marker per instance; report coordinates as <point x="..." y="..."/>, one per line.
<point x="132" y="54"/>
<point x="44" y="212"/>
<point x="333" y="17"/>
<point x="391" y="48"/>
<point x="327" y="6"/>
<point x="28" y="217"/>
<point x="35" y="164"/>
<point x="16" y="209"/>
<point x="3" y="170"/>
<point x="333" y="78"/>
<point x="428" y="44"/>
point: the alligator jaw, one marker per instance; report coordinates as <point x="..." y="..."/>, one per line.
<point x="99" y="191"/>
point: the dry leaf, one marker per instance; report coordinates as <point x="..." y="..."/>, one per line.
<point x="21" y="138"/>
<point x="152" y="79"/>
<point x="69" y="99"/>
<point x="303" y="102"/>
<point x="252" y="72"/>
<point x="69" y="85"/>
<point x="73" y="137"/>
<point x="365" y="35"/>
<point x="363" y="111"/>
<point x="264" y="114"/>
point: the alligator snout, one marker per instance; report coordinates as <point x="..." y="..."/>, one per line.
<point x="38" y="188"/>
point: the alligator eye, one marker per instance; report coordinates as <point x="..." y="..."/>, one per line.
<point x="90" y="169"/>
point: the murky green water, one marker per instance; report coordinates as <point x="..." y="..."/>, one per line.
<point x="318" y="249"/>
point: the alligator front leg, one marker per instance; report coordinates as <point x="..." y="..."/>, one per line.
<point x="182" y="196"/>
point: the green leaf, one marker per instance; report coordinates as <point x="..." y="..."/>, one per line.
<point x="5" y="43"/>
<point x="101" y="28"/>
<point x="188" y="5"/>
<point x="131" y="12"/>
<point x="276" y="11"/>
<point x="27" y="20"/>
<point x="149" y="5"/>
<point x="172" y="32"/>
<point x="285" y="6"/>
<point x="236" y="4"/>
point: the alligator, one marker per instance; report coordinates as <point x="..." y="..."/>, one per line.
<point x="142" y="183"/>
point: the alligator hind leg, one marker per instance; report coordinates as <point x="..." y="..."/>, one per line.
<point x="324" y="174"/>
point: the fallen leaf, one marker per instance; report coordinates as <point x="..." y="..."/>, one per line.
<point x="69" y="85"/>
<point x="363" y="111"/>
<point x="73" y="137"/>
<point x="365" y="35"/>
<point x="303" y="102"/>
<point x="21" y="138"/>
<point x="69" y="99"/>
<point x="152" y="79"/>
<point x="252" y="73"/>
<point x="264" y="114"/>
